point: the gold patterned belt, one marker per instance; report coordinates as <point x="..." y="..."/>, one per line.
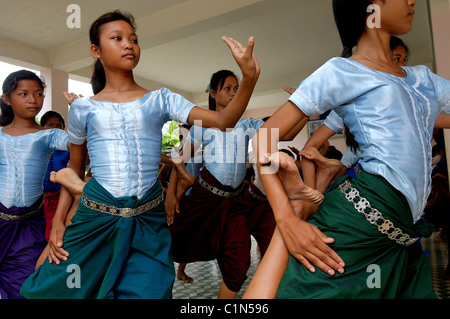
<point x="218" y="191"/>
<point x="125" y="212"/>
<point x="14" y="218"/>
<point x="374" y="216"/>
<point x="256" y="196"/>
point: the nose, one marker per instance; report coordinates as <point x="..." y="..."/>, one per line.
<point x="128" y="45"/>
<point x="32" y="98"/>
<point x="412" y="3"/>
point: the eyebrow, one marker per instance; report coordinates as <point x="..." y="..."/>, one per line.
<point x="121" y="31"/>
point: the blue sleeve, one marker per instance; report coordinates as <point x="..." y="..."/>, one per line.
<point x="195" y="136"/>
<point x="176" y="107"/>
<point x="256" y="124"/>
<point x="58" y="140"/>
<point x="336" y="83"/>
<point x="77" y="122"/>
<point x="334" y="122"/>
<point x="442" y="91"/>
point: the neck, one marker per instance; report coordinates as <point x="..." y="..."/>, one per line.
<point x="376" y="44"/>
<point x="119" y="81"/>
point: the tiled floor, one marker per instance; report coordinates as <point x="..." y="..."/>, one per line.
<point x="207" y="275"/>
<point x="438" y="253"/>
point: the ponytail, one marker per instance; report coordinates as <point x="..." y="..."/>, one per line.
<point x="350" y="17"/>
<point x="98" y="80"/>
<point x="9" y="85"/>
<point x="7" y="115"/>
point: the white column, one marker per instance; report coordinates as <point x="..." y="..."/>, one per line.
<point x="57" y="82"/>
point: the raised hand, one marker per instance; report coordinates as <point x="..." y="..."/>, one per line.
<point x="70" y="97"/>
<point x="244" y="56"/>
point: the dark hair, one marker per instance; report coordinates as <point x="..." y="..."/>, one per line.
<point x="9" y="85"/>
<point x="350" y="140"/>
<point x="396" y="41"/>
<point x="98" y="80"/>
<point x="49" y="114"/>
<point x="350" y="17"/>
<point x="216" y="84"/>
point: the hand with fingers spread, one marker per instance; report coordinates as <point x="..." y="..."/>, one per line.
<point x="244" y="56"/>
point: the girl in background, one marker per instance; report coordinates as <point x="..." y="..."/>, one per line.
<point x="119" y="234"/>
<point x="25" y="149"/>
<point x="58" y="160"/>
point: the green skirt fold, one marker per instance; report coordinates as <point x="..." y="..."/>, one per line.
<point x="110" y="256"/>
<point x="376" y="266"/>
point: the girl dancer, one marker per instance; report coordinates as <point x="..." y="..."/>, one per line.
<point x="119" y="237"/>
<point x="24" y="153"/>
<point x="212" y="222"/>
<point x="374" y="218"/>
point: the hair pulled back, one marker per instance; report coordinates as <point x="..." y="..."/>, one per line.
<point x="98" y="80"/>
<point x="216" y="84"/>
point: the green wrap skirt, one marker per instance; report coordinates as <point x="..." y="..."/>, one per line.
<point x="382" y="258"/>
<point x="111" y="256"/>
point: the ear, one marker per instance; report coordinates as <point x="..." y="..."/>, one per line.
<point x="95" y="51"/>
<point x="213" y="93"/>
<point x="6" y="100"/>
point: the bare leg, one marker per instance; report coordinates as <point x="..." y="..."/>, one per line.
<point x="181" y="274"/>
<point x="225" y="292"/>
<point x="327" y="168"/>
<point x="185" y="180"/>
<point x="265" y="281"/>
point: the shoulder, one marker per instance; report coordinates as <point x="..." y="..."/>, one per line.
<point x="81" y="104"/>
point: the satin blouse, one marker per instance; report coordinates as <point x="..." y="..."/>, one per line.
<point x="23" y="163"/>
<point x="225" y="154"/>
<point x="124" y="140"/>
<point x="392" y="119"/>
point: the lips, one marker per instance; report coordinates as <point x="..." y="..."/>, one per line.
<point x="129" y="56"/>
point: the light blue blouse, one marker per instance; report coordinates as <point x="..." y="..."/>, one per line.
<point x="124" y="140"/>
<point x="392" y="119"/>
<point x="23" y="163"/>
<point x="225" y="153"/>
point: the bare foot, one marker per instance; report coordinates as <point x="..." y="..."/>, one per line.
<point x="69" y="179"/>
<point x="185" y="180"/>
<point x="181" y="274"/>
<point x="291" y="180"/>
<point x="327" y="168"/>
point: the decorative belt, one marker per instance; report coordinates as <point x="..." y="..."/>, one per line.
<point x="14" y="218"/>
<point x="217" y="191"/>
<point x="254" y="195"/>
<point x="125" y="212"/>
<point x="374" y="216"/>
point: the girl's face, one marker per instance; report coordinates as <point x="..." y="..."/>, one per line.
<point x="396" y="15"/>
<point x="54" y="122"/>
<point x="26" y="100"/>
<point x="118" y="47"/>
<point x="399" y="55"/>
<point x="225" y="95"/>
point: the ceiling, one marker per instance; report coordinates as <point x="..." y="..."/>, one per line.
<point x="181" y="40"/>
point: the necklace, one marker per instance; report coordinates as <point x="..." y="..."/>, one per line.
<point x="403" y="72"/>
